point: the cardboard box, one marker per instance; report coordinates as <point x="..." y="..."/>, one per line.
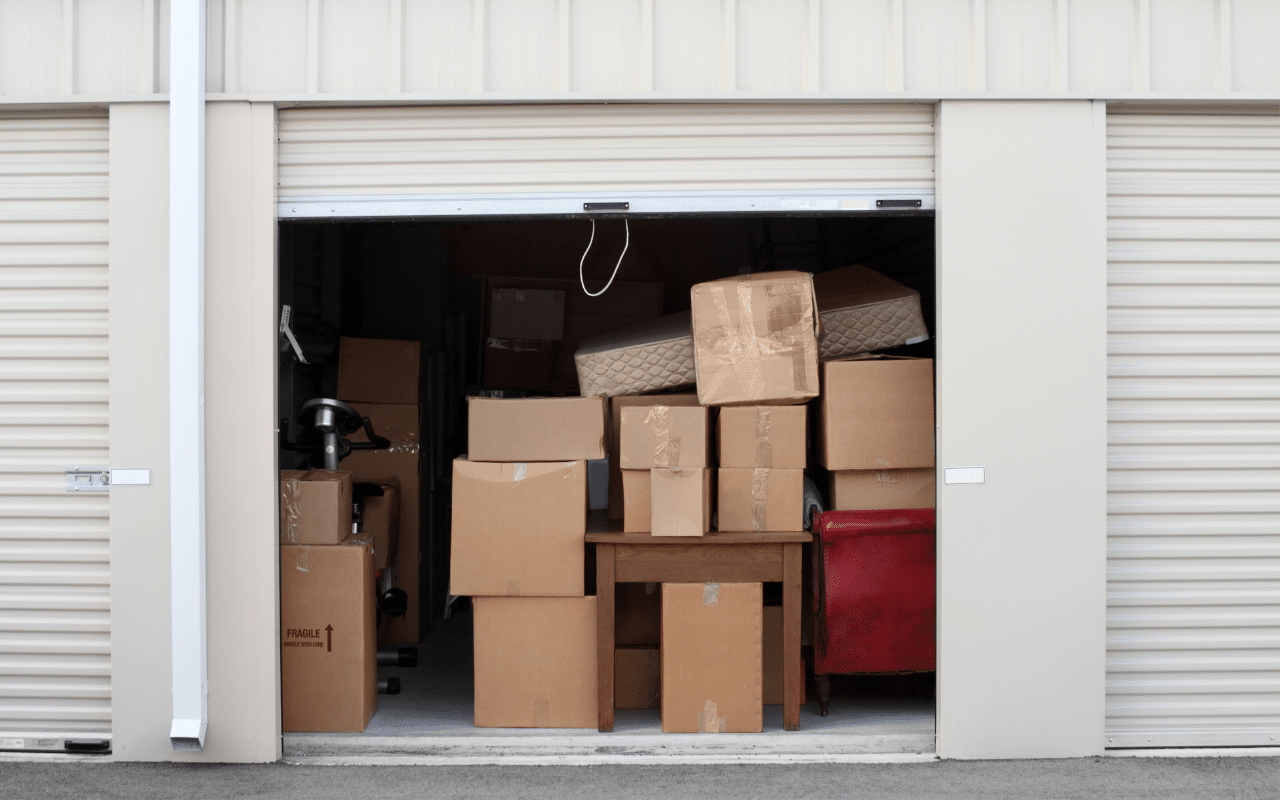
<point x="761" y="499"/>
<point x="637" y="501"/>
<point x="755" y="339"/>
<point x="315" y="506"/>
<point x="535" y="429"/>
<point x="876" y="413"/>
<point x="637" y="614"/>
<point x="381" y="521"/>
<point x="862" y="310"/>
<point x="328" y="648"/>
<point x="519" y="364"/>
<point x="680" y="502"/>
<point x="399" y="424"/>
<point x="636" y="677"/>
<point x="616" y="404"/>
<point x="763" y="436"/>
<point x="518" y="528"/>
<point x="379" y="371"/>
<point x="519" y="313"/>
<point x="665" y="436"/>
<point x="773" y="692"/>
<point x="648" y="356"/>
<point x="535" y="662"/>
<point x="871" y="489"/>
<point x="712" y="657"/>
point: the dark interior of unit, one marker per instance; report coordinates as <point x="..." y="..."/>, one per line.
<point x="426" y="280"/>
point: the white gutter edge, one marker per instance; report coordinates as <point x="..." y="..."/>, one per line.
<point x="188" y="626"/>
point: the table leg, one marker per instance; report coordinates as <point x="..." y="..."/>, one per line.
<point x="604" y="633"/>
<point x="793" y="671"/>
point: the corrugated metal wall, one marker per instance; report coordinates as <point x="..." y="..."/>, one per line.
<point x="1194" y="429"/>
<point x="55" y="587"/>
<point x="614" y="148"/>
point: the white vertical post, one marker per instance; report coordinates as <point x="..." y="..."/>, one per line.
<point x="186" y="376"/>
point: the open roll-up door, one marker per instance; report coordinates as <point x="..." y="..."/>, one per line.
<point x="1193" y="655"/>
<point x="55" y="587"/>
<point x="548" y="159"/>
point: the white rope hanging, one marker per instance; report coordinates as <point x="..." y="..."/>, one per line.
<point x="583" y="260"/>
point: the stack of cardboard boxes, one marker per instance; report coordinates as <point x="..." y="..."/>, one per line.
<point x="519" y="520"/>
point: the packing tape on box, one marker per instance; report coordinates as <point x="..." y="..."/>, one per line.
<point x="887" y="476"/>
<point x="731" y="344"/>
<point x="290" y="510"/>
<point x="760" y="496"/>
<point x="666" y="448"/>
<point x="710" y="594"/>
<point x="764" y="446"/>
<point x="709" y="720"/>
<point x="303" y="561"/>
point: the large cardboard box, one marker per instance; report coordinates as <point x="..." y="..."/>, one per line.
<point x="535" y="662"/>
<point x="399" y="424"/>
<point x="518" y="528"/>
<point x="872" y="489"/>
<point x="761" y="499"/>
<point x="328" y="647"/>
<point x="712" y="657"/>
<point x="381" y="521"/>
<point x="379" y="371"/>
<point x="315" y="506"/>
<point x="755" y="339"/>
<point x="522" y="313"/>
<point x="519" y="364"/>
<point x="637" y="614"/>
<point x="772" y="437"/>
<point x="876" y="413"/>
<point x="680" y="502"/>
<point x="862" y="310"/>
<point x="616" y="404"/>
<point x="637" y="487"/>
<point x="535" y="429"/>
<point x="665" y="436"/>
<point x="636" y="677"/>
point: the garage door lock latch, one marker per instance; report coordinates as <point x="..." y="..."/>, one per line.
<point x="101" y="479"/>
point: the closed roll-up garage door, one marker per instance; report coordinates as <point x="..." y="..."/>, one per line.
<point x="698" y="158"/>
<point x="1194" y="429"/>
<point x="55" y="589"/>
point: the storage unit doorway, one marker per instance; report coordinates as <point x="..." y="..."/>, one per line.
<point x="392" y="219"/>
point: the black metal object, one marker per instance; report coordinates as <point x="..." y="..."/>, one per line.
<point x="333" y="420"/>
<point x="898" y="204"/>
<point x="398" y="657"/>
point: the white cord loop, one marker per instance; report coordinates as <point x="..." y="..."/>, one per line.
<point x="583" y="260"/>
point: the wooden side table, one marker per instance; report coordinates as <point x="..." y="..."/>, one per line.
<point x="717" y="557"/>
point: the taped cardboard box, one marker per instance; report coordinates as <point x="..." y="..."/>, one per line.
<point x="315" y="506"/>
<point x="399" y="424"/>
<point x="379" y="370"/>
<point x="636" y="677"/>
<point x="755" y="339"/>
<point x="665" y="436"/>
<point x="648" y="356"/>
<point x="862" y="310"/>
<point x="761" y="499"/>
<point x="772" y="437"/>
<point x="873" y="489"/>
<point x="381" y="521"/>
<point x="680" y="503"/>
<point x="637" y="492"/>
<point x="876" y="412"/>
<point x="535" y="429"/>
<point x="535" y="662"/>
<point x="616" y="404"/>
<point x="518" y="529"/>
<point x="328" y="648"/>
<point x="712" y="658"/>
<point x="526" y="313"/>
<point x="637" y="614"/>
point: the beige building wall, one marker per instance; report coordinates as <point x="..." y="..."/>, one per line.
<point x="1021" y="391"/>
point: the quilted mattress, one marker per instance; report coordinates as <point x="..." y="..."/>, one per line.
<point x="655" y="354"/>
<point x="862" y="310"/>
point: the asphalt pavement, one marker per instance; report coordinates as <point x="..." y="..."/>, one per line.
<point x="1233" y="778"/>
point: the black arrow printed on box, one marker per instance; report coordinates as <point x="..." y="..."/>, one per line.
<point x="328" y="631"/>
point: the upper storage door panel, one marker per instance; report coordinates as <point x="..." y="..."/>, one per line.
<point x="811" y="157"/>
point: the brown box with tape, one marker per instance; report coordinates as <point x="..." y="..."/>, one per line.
<point x="328" y="647"/>
<point x="381" y="521"/>
<point x="680" y="501"/>
<point x="761" y="499"/>
<point x="755" y="339"/>
<point x="315" y="506"/>
<point x="535" y="662"/>
<point x="616" y="405"/>
<point x="871" y="489"/>
<point x="665" y="436"/>
<point x="637" y="516"/>
<point x="536" y="429"/>
<point x="712" y="657"/>
<point x="876" y="413"/>
<point x="772" y="437"/>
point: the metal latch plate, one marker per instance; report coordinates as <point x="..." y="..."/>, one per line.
<point x="88" y="479"/>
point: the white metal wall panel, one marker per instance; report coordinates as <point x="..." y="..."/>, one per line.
<point x="55" y="639"/>
<point x="384" y="151"/>
<point x="1194" y="430"/>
